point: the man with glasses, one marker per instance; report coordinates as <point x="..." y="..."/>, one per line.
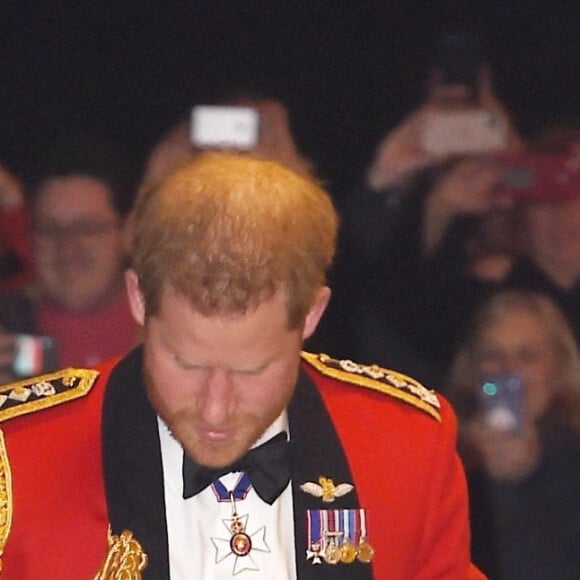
<point x="78" y="208"/>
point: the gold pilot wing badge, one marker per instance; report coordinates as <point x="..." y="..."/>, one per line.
<point x="325" y="489"/>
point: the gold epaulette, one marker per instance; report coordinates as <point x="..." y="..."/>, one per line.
<point x="42" y="392"/>
<point x="28" y="396"/>
<point x="379" y="379"/>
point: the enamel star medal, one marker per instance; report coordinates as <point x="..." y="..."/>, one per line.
<point x="240" y="544"/>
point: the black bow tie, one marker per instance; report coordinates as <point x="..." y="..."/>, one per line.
<point x="268" y="466"/>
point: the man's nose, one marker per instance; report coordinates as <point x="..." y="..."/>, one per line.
<point x="67" y="243"/>
<point x="219" y="403"/>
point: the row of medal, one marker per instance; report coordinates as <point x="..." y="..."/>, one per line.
<point x="338" y="535"/>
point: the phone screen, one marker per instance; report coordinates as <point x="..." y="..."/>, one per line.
<point x="500" y="396"/>
<point x="462" y="132"/>
<point x="35" y="355"/>
<point x="233" y="127"/>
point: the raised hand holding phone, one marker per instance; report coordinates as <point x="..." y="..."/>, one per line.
<point x="509" y="445"/>
<point x="461" y="115"/>
<point x="501" y="400"/>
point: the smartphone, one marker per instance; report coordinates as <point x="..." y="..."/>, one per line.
<point x="541" y="176"/>
<point x="35" y="355"/>
<point x="462" y="132"/>
<point x="501" y="399"/>
<point x="229" y="127"/>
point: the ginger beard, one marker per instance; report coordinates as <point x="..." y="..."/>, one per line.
<point x="243" y="431"/>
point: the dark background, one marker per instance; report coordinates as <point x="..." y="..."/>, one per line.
<point x="347" y="70"/>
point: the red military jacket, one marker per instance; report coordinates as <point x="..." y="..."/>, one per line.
<point x="81" y="491"/>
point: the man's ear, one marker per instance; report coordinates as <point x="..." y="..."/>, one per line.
<point x="316" y="311"/>
<point x="136" y="300"/>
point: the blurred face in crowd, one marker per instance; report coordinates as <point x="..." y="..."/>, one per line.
<point x="519" y="343"/>
<point x="78" y="243"/>
<point x="553" y="231"/>
<point x="219" y="381"/>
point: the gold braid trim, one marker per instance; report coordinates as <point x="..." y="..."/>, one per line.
<point x="379" y="379"/>
<point x="30" y="395"/>
<point x="5" y="497"/>
<point x="125" y="559"/>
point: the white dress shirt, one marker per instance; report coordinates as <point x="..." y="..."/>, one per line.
<point x="198" y="527"/>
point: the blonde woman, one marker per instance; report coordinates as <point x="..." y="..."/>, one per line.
<point x="524" y="463"/>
